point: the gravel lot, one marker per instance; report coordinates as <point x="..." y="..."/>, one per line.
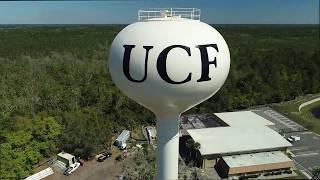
<point x="92" y="170"/>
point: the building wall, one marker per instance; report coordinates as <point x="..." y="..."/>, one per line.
<point x="209" y="161"/>
<point x="225" y="171"/>
<point x="222" y="168"/>
<point x="246" y="169"/>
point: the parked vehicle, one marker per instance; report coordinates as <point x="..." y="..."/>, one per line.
<point x="104" y="156"/>
<point x="123" y="146"/>
<point x="296" y="138"/>
<point x="122" y="138"/>
<point x="293" y="138"/>
<point x="101" y="158"/>
<point x="71" y="168"/>
<point x="66" y="159"/>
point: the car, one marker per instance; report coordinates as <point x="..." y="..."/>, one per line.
<point x="71" y="168"/>
<point x="296" y="138"/>
<point x="293" y="138"/>
<point x="290" y="139"/>
<point x="123" y="146"/>
<point x="104" y="156"/>
<point x="101" y="158"/>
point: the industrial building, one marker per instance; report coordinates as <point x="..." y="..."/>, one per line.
<point x="239" y="144"/>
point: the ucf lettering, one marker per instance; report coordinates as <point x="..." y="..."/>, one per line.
<point x="162" y="59"/>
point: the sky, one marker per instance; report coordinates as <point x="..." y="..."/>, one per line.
<point x="125" y="11"/>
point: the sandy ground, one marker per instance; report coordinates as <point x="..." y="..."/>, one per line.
<point x="92" y="170"/>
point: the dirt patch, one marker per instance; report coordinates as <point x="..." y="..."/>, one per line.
<point x="109" y="169"/>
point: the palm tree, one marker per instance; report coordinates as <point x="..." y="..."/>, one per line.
<point x="196" y="147"/>
<point x="189" y="145"/>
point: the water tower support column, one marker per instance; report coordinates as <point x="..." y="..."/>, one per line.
<point x="167" y="147"/>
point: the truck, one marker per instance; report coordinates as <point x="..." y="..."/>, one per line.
<point x="122" y="138"/>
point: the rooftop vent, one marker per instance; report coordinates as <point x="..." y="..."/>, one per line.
<point x="169" y="13"/>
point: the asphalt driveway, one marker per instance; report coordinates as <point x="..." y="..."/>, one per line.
<point x="306" y="152"/>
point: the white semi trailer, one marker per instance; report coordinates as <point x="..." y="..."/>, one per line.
<point x="122" y="138"/>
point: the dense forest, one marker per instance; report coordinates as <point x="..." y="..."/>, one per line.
<point x="56" y="93"/>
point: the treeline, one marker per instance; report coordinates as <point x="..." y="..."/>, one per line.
<point x="56" y="93"/>
<point x="270" y="77"/>
<point x="76" y="94"/>
<point x="25" y="141"/>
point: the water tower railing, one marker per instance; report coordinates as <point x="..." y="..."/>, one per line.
<point x="187" y="13"/>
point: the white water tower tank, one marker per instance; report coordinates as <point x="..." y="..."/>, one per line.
<point x="169" y="61"/>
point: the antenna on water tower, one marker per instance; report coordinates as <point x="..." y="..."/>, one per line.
<point x="169" y="61"/>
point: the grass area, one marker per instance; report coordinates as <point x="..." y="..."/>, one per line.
<point x="306" y="118"/>
<point x="115" y="152"/>
<point x="137" y="134"/>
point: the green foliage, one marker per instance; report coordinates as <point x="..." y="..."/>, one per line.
<point x="306" y="118"/>
<point x="141" y="166"/>
<point x="86" y="132"/>
<point x="32" y="139"/>
<point x="55" y="90"/>
<point x="193" y="147"/>
<point x="40" y="41"/>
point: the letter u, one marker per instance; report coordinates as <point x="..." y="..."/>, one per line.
<point x="126" y="62"/>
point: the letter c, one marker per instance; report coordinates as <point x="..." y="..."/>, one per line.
<point x="162" y="64"/>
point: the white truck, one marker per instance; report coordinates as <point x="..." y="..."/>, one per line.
<point x="71" y="168"/>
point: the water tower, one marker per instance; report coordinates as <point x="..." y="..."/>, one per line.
<point x="169" y="61"/>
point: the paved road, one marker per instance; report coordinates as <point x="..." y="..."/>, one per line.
<point x="308" y="103"/>
<point x="281" y="122"/>
<point x="306" y="152"/>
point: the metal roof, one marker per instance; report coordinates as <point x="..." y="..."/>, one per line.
<point x="243" y="119"/>
<point x="223" y="140"/>
<point x="123" y="136"/>
<point x="66" y="155"/>
<point x="256" y="159"/>
<point x="198" y="121"/>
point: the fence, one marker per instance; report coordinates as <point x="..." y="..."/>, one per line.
<point x="152" y="13"/>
